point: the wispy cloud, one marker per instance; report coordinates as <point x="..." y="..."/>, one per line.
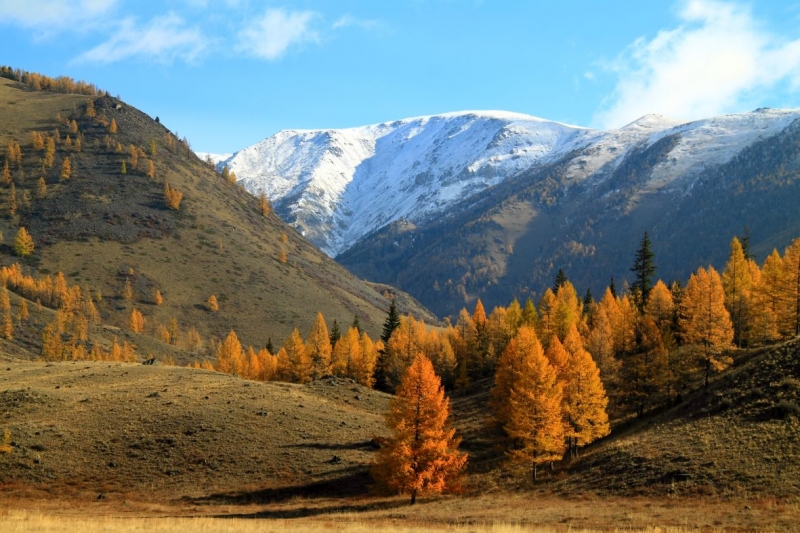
<point x="347" y="21"/>
<point x="163" y="39"/>
<point x="54" y="15"/>
<point x="720" y="59"/>
<point x="272" y="34"/>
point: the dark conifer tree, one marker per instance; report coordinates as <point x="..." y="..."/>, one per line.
<point x="269" y="347"/>
<point x="588" y="299"/>
<point x="561" y="279"/>
<point x="644" y="268"/>
<point x="744" y="240"/>
<point x="356" y="324"/>
<point x="391" y="323"/>
<point x="336" y="333"/>
<point x="612" y="287"/>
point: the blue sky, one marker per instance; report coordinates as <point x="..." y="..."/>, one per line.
<point x="228" y="73"/>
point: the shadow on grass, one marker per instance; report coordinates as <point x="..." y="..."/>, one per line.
<point x="367" y="444"/>
<point x="354" y="482"/>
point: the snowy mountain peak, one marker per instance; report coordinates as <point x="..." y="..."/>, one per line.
<point x="337" y="185"/>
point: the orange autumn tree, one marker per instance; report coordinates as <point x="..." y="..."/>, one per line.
<point x="318" y="347"/>
<point x="704" y="321"/>
<point x="535" y="425"/>
<point x="585" y="399"/>
<point x="421" y="455"/>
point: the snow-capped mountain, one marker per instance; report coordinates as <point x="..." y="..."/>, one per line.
<point x="336" y="186"/>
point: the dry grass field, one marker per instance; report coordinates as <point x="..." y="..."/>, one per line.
<point x="132" y="446"/>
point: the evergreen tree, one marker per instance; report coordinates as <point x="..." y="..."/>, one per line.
<point x="336" y="333"/>
<point x="644" y="268"/>
<point x="612" y="287"/>
<point x="356" y="324"/>
<point x="560" y="280"/>
<point x="391" y="322"/>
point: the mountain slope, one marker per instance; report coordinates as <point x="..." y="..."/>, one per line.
<point x="103" y="228"/>
<point x="490" y="204"/>
<point x="335" y="186"/>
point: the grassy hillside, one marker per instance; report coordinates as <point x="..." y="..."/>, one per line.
<point x="103" y="228"/>
<point x="159" y="439"/>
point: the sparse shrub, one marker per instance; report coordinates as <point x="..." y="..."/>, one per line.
<point x="6" y="446"/>
<point x="786" y="409"/>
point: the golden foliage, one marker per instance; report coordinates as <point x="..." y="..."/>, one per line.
<point x="23" y="243"/>
<point x="137" y="321"/>
<point x="318" y="347"/>
<point x="172" y="197"/>
<point x="422" y="453"/>
<point x="704" y="322"/>
<point x="66" y="169"/>
<point x="212" y="304"/>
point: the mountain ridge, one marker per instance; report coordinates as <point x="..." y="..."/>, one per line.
<point x="338" y="185"/>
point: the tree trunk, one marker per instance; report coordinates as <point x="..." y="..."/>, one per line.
<point x="535" y="472"/>
<point x="413" y="497"/>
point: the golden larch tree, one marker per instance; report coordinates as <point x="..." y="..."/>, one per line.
<point x="212" y="304"/>
<point x="584" y="401"/>
<point x="297" y="358"/>
<point x="347" y="354"/>
<point x="660" y="306"/>
<point x="263" y="204"/>
<point x="137" y="321"/>
<point x="66" y="169"/>
<point x="704" y="322"/>
<point x="112" y="129"/>
<point x="6" y="178"/>
<point x="23" y="243"/>
<point x="738" y="284"/>
<point x="509" y="366"/>
<point x="767" y="299"/>
<point x="535" y="425"/>
<point x="8" y="322"/>
<point x="789" y="318"/>
<point x="230" y="355"/>
<point x="158" y="299"/>
<point x="41" y="188"/>
<point x="406" y="341"/>
<point x="318" y="347"/>
<point x="421" y="454"/>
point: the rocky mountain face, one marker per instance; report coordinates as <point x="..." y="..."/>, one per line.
<point x="491" y="204"/>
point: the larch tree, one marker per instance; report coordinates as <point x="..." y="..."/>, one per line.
<point x="318" y="347"/>
<point x="738" y="283"/>
<point x="406" y="342"/>
<point x="508" y="370"/>
<point x="660" y="306"/>
<point x="789" y="318"/>
<point x="41" y="188"/>
<point x="112" y="129"/>
<point x="6" y="178"/>
<point x="535" y="425"/>
<point x="422" y="453"/>
<point x="704" y="322"/>
<point x="136" y="322"/>
<point x="66" y="169"/>
<point x="298" y="358"/>
<point x="263" y="204"/>
<point x="347" y="354"/>
<point x="23" y="243"/>
<point x="230" y="355"/>
<point x="212" y="304"/>
<point x="767" y="299"/>
<point x="8" y="323"/>
<point x="584" y="401"/>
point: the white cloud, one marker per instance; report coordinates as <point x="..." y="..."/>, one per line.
<point x="52" y="15"/>
<point x="347" y="21"/>
<point x="272" y="34"/>
<point x="163" y="39"/>
<point x="719" y="60"/>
